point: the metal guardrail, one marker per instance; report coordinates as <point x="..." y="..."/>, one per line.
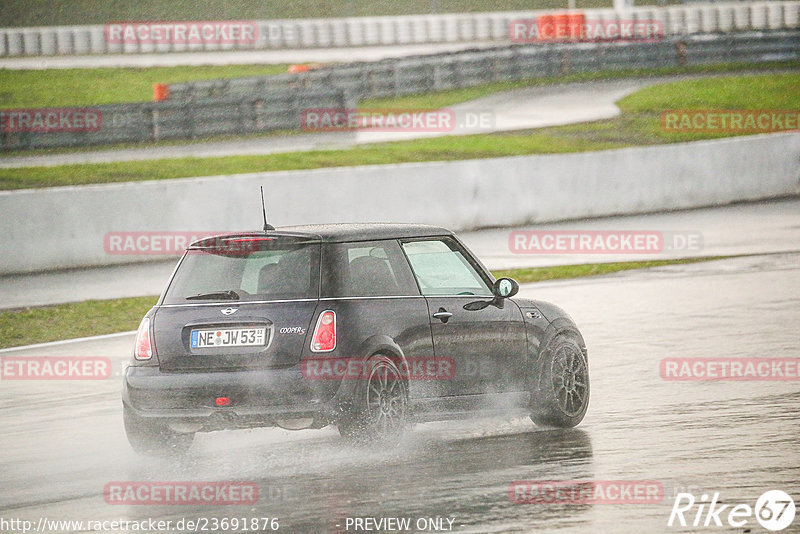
<point x="249" y="105"/>
<point x="386" y="31"/>
<point x="155" y="121"/>
<point x="411" y="75"/>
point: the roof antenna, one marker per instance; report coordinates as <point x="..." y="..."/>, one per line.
<point x="267" y="226"/>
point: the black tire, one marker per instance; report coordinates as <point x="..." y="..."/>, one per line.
<point x="560" y="392"/>
<point x="154" y="439"/>
<point x="379" y="407"/>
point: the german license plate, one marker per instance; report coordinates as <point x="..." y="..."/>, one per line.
<point x="228" y="337"/>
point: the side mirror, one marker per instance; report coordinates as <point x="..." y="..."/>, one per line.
<point x="505" y="287"/>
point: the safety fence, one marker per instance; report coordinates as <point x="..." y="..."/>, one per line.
<point x="411" y="75"/>
<point x="155" y="121"/>
<point x="113" y="38"/>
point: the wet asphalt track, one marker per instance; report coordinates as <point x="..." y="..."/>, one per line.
<point x="62" y="442"/>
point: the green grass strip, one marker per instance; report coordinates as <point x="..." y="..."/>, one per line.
<point x="41" y="324"/>
<point x="118" y="85"/>
<point x="557" y="272"/>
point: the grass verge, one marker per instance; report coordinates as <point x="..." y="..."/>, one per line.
<point x="440" y="99"/>
<point x="27" y="326"/>
<point x="435" y="149"/>
<point x="41" y="324"/>
<point x="92" y="87"/>
<point x="540" y="274"/>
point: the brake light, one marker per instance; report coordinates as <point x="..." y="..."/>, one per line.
<point x="324" y="338"/>
<point x="143" y="349"/>
<point x="249" y="239"/>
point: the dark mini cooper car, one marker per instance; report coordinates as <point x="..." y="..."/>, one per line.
<point x="368" y="327"/>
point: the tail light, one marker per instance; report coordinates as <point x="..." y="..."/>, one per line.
<point x="324" y="338"/>
<point x="143" y="349"/>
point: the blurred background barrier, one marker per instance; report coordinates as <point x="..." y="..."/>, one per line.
<point x="262" y="104"/>
<point x="262" y="111"/>
<point x="399" y="30"/>
<point x="452" y="70"/>
<point x="461" y="195"/>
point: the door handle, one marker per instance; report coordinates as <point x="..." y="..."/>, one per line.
<point x="443" y="315"/>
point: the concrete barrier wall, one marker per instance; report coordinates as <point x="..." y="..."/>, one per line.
<point x="417" y="29"/>
<point x="65" y="226"/>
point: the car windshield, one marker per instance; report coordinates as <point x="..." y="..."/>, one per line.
<point x="271" y="271"/>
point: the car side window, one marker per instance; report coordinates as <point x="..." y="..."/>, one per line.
<point x="441" y="269"/>
<point x="367" y="269"/>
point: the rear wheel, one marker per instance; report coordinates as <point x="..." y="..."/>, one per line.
<point x="379" y="405"/>
<point x="154" y="439"/>
<point x="560" y="394"/>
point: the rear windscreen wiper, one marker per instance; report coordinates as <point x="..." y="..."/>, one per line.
<point x="224" y="295"/>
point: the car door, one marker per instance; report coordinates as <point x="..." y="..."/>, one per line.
<point x="483" y="335"/>
<point x="370" y="287"/>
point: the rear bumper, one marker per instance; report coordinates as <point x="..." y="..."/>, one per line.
<point x="257" y="397"/>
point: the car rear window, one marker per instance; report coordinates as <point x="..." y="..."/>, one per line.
<point x="272" y="270"/>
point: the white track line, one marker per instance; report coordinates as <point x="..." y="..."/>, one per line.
<point x="66" y="341"/>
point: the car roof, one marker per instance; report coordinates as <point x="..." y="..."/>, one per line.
<point x="334" y="233"/>
<point x="338" y="233"/>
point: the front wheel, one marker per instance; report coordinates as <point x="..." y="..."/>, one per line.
<point x="154" y="439"/>
<point x="380" y="405"/>
<point x="560" y="393"/>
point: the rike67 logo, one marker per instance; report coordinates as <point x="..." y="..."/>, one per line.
<point x="774" y="510"/>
